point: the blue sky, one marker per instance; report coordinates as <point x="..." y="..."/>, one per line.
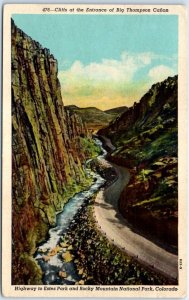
<point x="109" y="59"/>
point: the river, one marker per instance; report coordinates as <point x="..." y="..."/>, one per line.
<point x="56" y="264"/>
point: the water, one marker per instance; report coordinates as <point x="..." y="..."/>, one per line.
<point x="51" y="269"/>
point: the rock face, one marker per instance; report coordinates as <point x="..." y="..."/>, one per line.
<point x="144" y="114"/>
<point x="46" y="158"/>
<point x="145" y="137"/>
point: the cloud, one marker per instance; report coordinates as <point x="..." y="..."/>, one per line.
<point x="160" y="72"/>
<point x="111" y="81"/>
<point x="110" y="69"/>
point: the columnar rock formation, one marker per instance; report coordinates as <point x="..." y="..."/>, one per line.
<point x="46" y="158"/>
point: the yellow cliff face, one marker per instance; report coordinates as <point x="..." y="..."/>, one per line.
<point x="46" y="151"/>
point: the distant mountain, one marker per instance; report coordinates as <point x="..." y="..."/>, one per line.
<point x="145" y="137"/>
<point x="117" y="110"/>
<point x="93" y="117"/>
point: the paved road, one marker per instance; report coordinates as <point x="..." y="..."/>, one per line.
<point x="108" y="143"/>
<point x="115" y="227"/>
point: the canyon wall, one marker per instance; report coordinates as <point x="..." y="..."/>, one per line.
<point x="47" y="160"/>
<point x="144" y="114"/>
<point x="146" y="141"/>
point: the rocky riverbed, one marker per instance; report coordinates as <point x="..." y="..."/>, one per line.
<point x="98" y="261"/>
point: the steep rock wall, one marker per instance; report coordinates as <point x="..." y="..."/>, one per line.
<point x="46" y="158"/>
<point x="145" y="113"/>
<point x="146" y="140"/>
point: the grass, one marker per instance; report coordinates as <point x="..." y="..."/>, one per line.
<point x="147" y="201"/>
<point x="89" y="147"/>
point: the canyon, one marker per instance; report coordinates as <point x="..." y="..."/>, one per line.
<point x="53" y="145"/>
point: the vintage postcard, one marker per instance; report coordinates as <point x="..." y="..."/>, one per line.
<point x="94" y="151"/>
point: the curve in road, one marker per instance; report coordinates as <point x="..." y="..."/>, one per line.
<point x="114" y="226"/>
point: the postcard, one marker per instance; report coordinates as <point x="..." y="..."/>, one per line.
<point x="94" y="150"/>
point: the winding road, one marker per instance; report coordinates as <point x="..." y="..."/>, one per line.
<point x="114" y="226"/>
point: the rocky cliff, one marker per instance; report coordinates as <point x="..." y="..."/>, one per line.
<point x="47" y="161"/>
<point x="145" y="137"/>
<point x="147" y="112"/>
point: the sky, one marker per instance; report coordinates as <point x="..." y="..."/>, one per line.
<point x="107" y="60"/>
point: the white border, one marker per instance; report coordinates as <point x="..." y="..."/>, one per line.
<point x="6" y="186"/>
